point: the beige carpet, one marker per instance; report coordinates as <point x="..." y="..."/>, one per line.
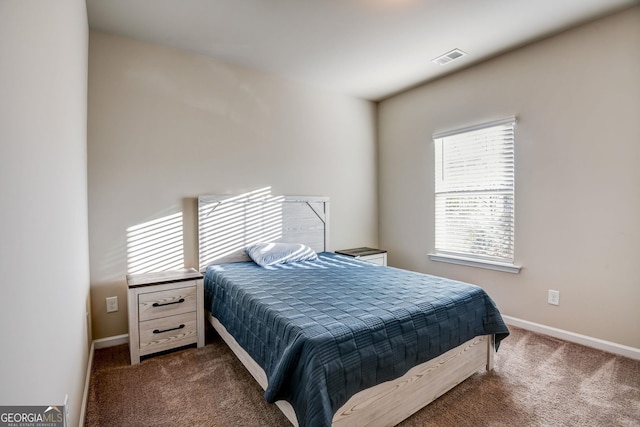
<point x="538" y="381"/>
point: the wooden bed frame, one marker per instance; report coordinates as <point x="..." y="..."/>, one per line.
<point x="226" y="224"/>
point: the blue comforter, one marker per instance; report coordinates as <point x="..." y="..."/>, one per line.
<point x="324" y="330"/>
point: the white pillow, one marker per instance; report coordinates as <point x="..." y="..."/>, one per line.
<point x="265" y="254"/>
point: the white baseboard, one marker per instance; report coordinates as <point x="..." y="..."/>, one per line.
<point x="96" y="344"/>
<point x="111" y="341"/>
<point x="85" y="394"/>
<point x="611" y="347"/>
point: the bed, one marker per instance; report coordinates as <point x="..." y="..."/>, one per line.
<point x="334" y="340"/>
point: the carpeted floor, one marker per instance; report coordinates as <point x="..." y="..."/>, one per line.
<point x="537" y="381"/>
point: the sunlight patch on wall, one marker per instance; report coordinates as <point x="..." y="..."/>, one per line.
<point x="229" y="225"/>
<point x="156" y="245"/>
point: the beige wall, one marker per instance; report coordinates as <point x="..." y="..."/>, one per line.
<point x="166" y="126"/>
<point x="43" y="221"/>
<point x="577" y="98"/>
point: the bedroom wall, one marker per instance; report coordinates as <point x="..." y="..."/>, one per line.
<point x="44" y="255"/>
<point x="577" y="99"/>
<point x="167" y="125"/>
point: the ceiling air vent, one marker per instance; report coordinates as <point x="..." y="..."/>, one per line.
<point x="449" y="56"/>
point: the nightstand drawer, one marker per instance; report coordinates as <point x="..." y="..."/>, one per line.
<point x="380" y="259"/>
<point x="154" y="305"/>
<point x="167" y="332"/>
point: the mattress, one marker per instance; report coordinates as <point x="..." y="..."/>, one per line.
<point x="324" y="330"/>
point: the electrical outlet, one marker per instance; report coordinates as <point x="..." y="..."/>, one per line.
<point x="554" y="297"/>
<point x="112" y="304"/>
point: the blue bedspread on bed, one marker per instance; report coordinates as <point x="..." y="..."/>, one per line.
<point x="324" y="330"/>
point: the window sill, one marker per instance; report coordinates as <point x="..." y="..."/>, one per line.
<point x="490" y="265"/>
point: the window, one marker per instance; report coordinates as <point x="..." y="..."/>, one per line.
<point x="474" y="196"/>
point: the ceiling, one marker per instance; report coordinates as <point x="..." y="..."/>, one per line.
<point x="365" y="48"/>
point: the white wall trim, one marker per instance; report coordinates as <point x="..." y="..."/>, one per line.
<point x="97" y="344"/>
<point x="85" y="395"/>
<point x="111" y="341"/>
<point x="611" y="347"/>
<point x="489" y="265"/>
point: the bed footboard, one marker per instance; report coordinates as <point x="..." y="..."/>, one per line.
<point x="393" y="401"/>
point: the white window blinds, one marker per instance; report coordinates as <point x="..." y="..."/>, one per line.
<point x="474" y="191"/>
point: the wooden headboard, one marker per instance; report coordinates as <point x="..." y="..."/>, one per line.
<point x="227" y="224"/>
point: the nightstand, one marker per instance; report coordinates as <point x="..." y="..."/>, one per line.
<point x="166" y="311"/>
<point x="375" y="256"/>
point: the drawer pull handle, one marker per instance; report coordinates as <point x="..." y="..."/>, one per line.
<point x="158" y="331"/>
<point x="156" y="304"/>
